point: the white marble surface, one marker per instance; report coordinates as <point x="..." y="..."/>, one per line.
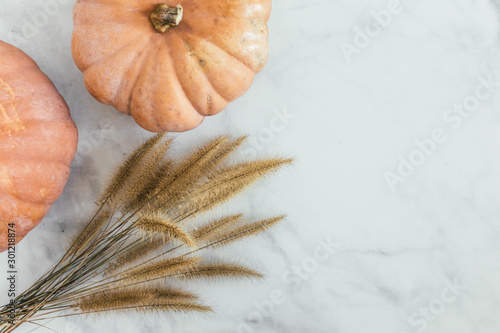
<point x="421" y="255"/>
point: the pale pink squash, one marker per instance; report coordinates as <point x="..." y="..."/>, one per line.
<point x="38" y="141"/>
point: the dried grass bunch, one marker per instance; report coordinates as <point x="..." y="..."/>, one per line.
<point x="142" y="236"/>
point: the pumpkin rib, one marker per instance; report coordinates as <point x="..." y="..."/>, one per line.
<point x="95" y="8"/>
<point x="38" y="102"/>
<point x="26" y="198"/>
<point x="139" y="68"/>
<point x="219" y="17"/>
<point x="209" y="77"/>
<point x="175" y="71"/>
<point x="137" y="87"/>
<point x="96" y="76"/>
<point x="140" y="8"/>
<point x="121" y="37"/>
<point x="59" y="120"/>
<point x="37" y="206"/>
<point x="200" y="75"/>
<point x="37" y="118"/>
<point x="207" y="81"/>
<point x="43" y="159"/>
<point x="264" y="9"/>
<point x="131" y="63"/>
<point x="171" y="68"/>
<point x="60" y="125"/>
<point x="62" y="165"/>
<point x="63" y="168"/>
<point x="61" y="161"/>
<point x="32" y="201"/>
<point x="160" y="119"/>
<point x="102" y="25"/>
<point x="134" y="112"/>
<point x="221" y="49"/>
<point x="111" y="55"/>
<point x="227" y="44"/>
<point x="82" y="59"/>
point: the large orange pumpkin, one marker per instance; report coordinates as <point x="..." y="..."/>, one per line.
<point x="38" y="141"/>
<point x="170" y="64"/>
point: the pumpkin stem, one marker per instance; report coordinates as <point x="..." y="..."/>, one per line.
<point x="165" y="17"/>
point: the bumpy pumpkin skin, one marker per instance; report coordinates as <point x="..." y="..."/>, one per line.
<point x="170" y="81"/>
<point x="38" y="141"/>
